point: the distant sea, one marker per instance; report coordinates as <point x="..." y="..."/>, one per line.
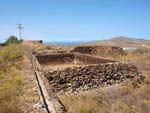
<point x="64" y="42"/>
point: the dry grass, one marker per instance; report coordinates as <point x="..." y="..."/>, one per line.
<point x="140" y="57"/>
<point x="111" y="100"/>
<point x="11" y="59"/>
<point x="116" y="99"/>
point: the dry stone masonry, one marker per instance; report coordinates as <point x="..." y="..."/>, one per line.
<point x="91" y="76"/>
<point x="100" y="50"/>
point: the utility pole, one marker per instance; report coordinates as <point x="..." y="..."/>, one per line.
<point x="20" y="28"/>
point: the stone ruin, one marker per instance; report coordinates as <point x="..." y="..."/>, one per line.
<point x="69" y="72"/>
<point x="103" y="51"/>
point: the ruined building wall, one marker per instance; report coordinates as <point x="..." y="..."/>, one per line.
<point x="87" y="59"/>
<point x="100" y="50"/>
<point x="71" y="58"/>
<point x="33" y="41"/>
<point x="55" y="58"/>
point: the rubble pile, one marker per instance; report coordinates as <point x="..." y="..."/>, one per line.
<point x="91" y="76"/>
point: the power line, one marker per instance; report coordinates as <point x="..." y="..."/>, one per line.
<point x="20" y="28"/>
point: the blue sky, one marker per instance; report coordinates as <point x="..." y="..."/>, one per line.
<point x="75" y="20"/>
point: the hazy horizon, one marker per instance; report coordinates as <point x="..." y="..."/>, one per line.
<point x="76" y="41"/>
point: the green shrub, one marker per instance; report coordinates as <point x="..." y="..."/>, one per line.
<point x="13" y="39"/>
<point x="83" y="109"/>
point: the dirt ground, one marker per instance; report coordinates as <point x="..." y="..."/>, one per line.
<point x="59" y="66"/>
<point x="30" y="94"/>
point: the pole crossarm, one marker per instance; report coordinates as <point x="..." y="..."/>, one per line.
<point x="20" y="28"/>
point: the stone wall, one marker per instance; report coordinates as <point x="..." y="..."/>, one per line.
<point x="103" y="51"/>
<point x="2" y="44"/>
<point x="33" y="41"/>
<point x="55" y="58"/>
<point x="88" y="59"/>
<point x="71" y="58"/>
<point x="91" y="76"/>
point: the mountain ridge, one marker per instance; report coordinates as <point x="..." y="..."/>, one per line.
<point x="120" y="41"/>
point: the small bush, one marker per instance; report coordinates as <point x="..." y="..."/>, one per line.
<point x="18" y="79"/>
<point x="128" y="109"/>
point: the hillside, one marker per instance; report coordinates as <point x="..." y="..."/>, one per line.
<point x="119" y="41"/>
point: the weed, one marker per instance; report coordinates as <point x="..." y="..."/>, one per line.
<point x="11" y="58"/>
